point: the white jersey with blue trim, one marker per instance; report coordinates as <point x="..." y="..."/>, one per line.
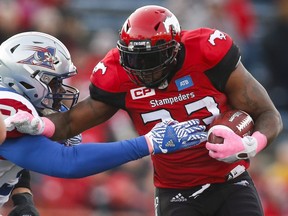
<point x="10" y="103"/>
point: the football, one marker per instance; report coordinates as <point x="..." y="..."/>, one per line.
<point x="237" y="120"/>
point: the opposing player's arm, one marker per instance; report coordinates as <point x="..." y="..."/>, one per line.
<point x="39" y="154"/>
<point x="246" y="93"/>
<point x="81" y="117"/>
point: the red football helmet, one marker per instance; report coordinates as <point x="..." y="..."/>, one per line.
<point x="148" y="45"/>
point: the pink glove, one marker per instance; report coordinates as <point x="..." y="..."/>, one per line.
<point x="234" y="147"/>
<point x="25" y="122"/>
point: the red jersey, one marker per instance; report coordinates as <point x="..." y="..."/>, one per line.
<point x="195" y="91"/>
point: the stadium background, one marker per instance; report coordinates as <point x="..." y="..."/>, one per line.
<point x="89" y="28"/>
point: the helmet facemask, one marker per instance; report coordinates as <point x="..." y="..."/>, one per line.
<point x="59" y="94"/>
<point x="146" y="65"/>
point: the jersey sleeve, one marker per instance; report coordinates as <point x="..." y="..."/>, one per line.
<point x="220" y="54"/>
<point x="40" y="154"/>
<point x="105" y="73"/>
<point x="106" y="82"/>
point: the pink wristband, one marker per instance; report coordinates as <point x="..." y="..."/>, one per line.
<point x="49" y="127"/>
<point x="261" y="140"/>
<point x="149" y="144"/>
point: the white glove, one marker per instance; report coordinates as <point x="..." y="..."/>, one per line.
<point x="169" y="136"/>
<point x="235" y="147"/>
<point x="25" y="122"/>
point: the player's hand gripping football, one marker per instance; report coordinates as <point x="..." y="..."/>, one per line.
<point x="25" y="122"/>
<point x="235" y="147"/>
<point x="169" y="136"/>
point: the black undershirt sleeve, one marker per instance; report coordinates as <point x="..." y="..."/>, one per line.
<point x="219" y="74"/>
<point x="113" y="99"/>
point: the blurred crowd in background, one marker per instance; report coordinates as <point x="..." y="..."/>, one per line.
<point x="90" y="28"/>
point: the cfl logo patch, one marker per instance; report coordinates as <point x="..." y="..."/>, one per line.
<point x="141" y="92"/>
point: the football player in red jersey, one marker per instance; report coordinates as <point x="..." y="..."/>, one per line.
<point x="33" y="66"/>
<point x="159" y="71"/>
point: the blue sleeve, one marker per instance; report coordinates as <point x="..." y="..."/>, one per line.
<point x="40" y="154"/>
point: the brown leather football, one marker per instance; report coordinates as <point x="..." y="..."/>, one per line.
<point x="237" y="120"/>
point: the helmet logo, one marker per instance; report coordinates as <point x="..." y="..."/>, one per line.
<point x="43" y="57"/>
<point x="171" y="21"/>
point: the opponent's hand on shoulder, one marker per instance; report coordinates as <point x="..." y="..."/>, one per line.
<point x="23" y="205"/>
<point x="235" y="147"/>
<point x="25" y="122"/>
<point x="169" y="136"/>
